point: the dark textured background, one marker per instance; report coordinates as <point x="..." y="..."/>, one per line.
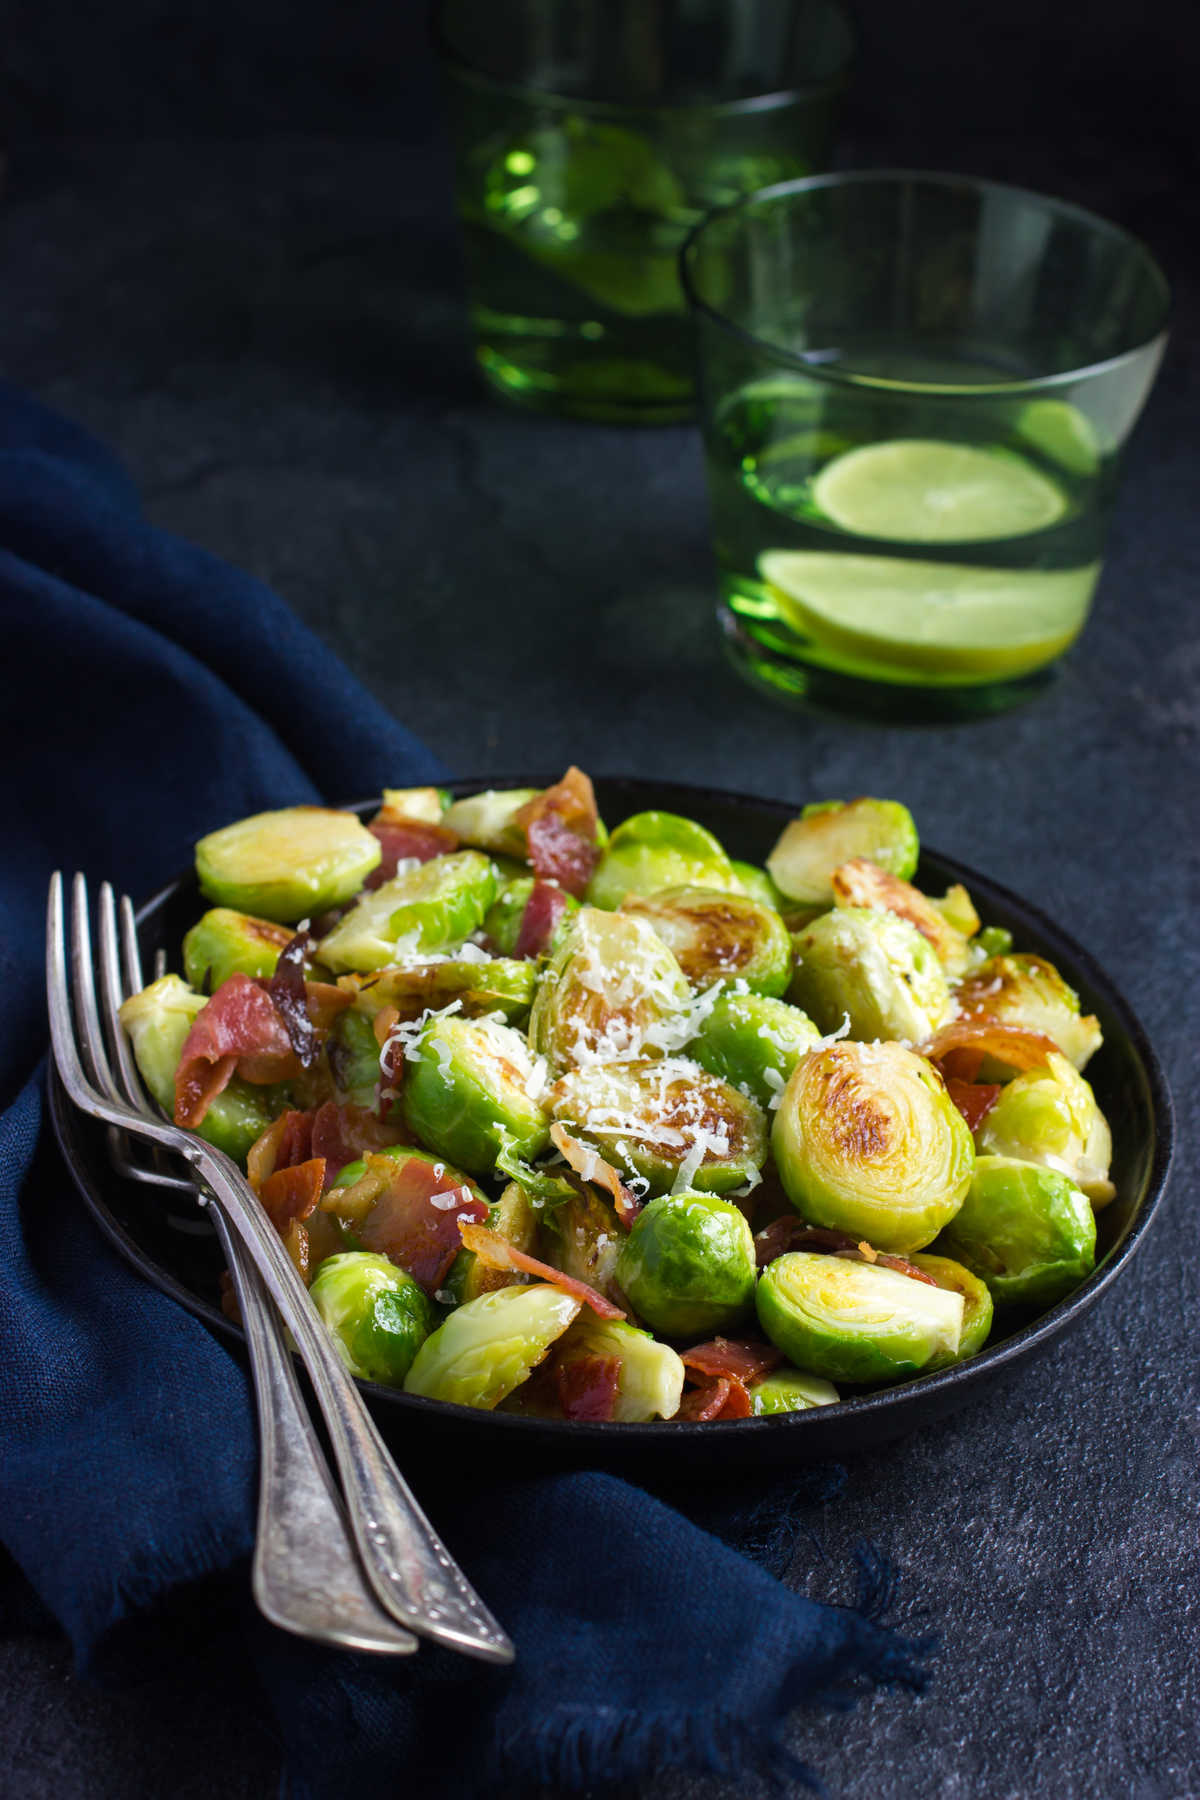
<point x="225" y="244"/>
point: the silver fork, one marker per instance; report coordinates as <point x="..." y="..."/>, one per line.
<point x="408" y="1568"/>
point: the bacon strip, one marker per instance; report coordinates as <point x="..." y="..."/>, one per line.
<point x="496" y="1253"/>
<point x="732" y="1357"/>
<point x="959" y="1048"/>
<point x="588" y="1387"/>
<point x="403" y="839"/>
<point x="544" y="908"/>
<point x="974" y="1099"/>
<point x="238" y="1029"/>
<point x="560" y="832"/>
<point x="589" y="1165"/>
<point x="290" y="1000"/>
<point x="290" y="1194"/>
<point x="404" y="1223"/>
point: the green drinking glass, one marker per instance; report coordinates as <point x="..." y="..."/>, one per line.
<point x="590" y="136"/>
<point x="915" y="391"/>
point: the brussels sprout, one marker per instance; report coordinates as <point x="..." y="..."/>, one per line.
<point x="873" y="967"/>
<point x="958" y="909"/>
<point x="855" y="1321"/>
<point x="863" y="883"/>
<point x="1049" y="1116"/>
<point x="867" y="1140"/>
<point x="503" y="920"/>
<point x="758" y="884"/>
<point x="754" y="1043"/>
<point x="1026" y="1231"/>
<point x="377" y="1315"/>
<point x="489" y="820"/>
<point x="582" y="1237"/>
<point x="612" y="989"/>
<point x="425" y="804"/>
<point x="482" y="984"/>
<point x="470" y="1086"/>
<point x="832" y="832"/>
<point x="487" y="1348"/>
<point x="656" y="850"/>
<point x="512" y="1218"/>
<point x="428" y="909"/>
<point x="367" y="1192"/>
<point x="994" y="940"/>
<point x="225" y="943"/>
<point x="688" y="1264"/>
<point x="353" y="1054"/>
<point x="158" y="1021"/>
<point x="787" y="1390"/>
<point x="668" y="1121"/>
<point x="1029" y="993"/>
<point x="287" y="865"/>
<point x="977" y="1302"/>
<point x="650" y="1384"/>
<point x="719" y="936"/>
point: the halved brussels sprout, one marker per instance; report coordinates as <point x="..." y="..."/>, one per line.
<point x="1026" y="1231"/>
<point x="873" y="967"/>
<point x="656" y="850"/>
<point x="470" y="1086"/>
<point x="427" y="909"/>
<point x="611" y="990"/>
<point x="225" y="943"/>
<point x="353" y="1054"/>
<point x="158" y="1021"/>
<point x="688" y="1264"/>
<point x="1029" y="993"/>
<point x="489" y="1346"/>
<point x="512" y="1218"/>
<point x="758" y="884"/>
<point x="503" y="920"/>
<point x="753" y="1042"/>
<point x="867" y="1140"/>
<point x="855" y="1321"/>
<point x="1049" y="1116"/>
<point x="668" y="1121"/>
<point x="287" y="865"/>
<point x="719" y="936"/>
<point x="977" y="1302"/>
<point x="830" y="833"/>
<point x="426" y="804"/>
<point x="863" y="883"/>
<point x="489" y="820"/>
<point x="582" y="1236"/>
<point x="787" y="1390"/>
<point x="958" y="909"/>
<point x="483" y="984"/>
<point x="377" y="1315"/>
<point x="650" y="1384"/>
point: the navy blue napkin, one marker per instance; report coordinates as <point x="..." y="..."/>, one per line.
<point x="151" y="693"/>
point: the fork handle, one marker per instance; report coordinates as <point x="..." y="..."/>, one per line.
<point x="407" y="1565"/>
<point x="305" y="1576"/>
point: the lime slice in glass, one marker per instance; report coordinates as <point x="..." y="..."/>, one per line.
<point x="1061" y="433"/>
<point x="923" y="491"/>
<point x="932" y="618"/>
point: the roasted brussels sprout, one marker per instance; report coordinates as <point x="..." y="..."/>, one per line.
<point x="656" y="850"/>
<point x="1026" y="1231"/>
<point x="487" y="1348"/>
<point x="353" y="1054"/>
<point x="668" y="1121"/>
<point x="287" y="865"/>
<point x="515" y="1220"/>
<point x="650" y="1383"/>
<point x="829" y="834"/>
<point x="758" y="884"/>
<point x="489" y="820"/>
<point x="378" y="1316"/>
<point x="425" y="805"/>
<point x="225" y="943"/>
<point x="1029" y="992"/>
<point x="958" y="909"/>
<point x="582" y="1236"/>
<point x="874" y="968"/>
<point x="504" y="917"/>
<point x="719" y="936"/>
<point x="977" y="1302"/>
<point x="427" y="909"/>
<point x="470" y="1086"/>
<point x="867" y="1140"/>
<point x="863" y="883"/>
<point x="688" y="1264"/>
<point x="855" y="1321"/>
<point x="483" y="984"/>
<point x="753" y="1042"/>
<point x="611" y="990"/>
<point x="158" y="1021"/>
<point x="1049" y="1116"/>
<point x="787" y="1390"/>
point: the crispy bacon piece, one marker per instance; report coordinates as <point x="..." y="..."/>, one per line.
<point x="959" y="1048"/>
<point x="238" y="1029"/>
<point x="974" y="1099"/>
<point x="291" y="1194"/>
<point x="404" y="1223"/>
<point x="286" y="1141"/>
<point x="589" y="1165"/>
<point x="402" y="839"/>
<point x="290" y="1000"/>
<point x="587" y="1387"/>
<point x="543" y="909"/>
<point x="338" y="1133"/>
<point x="560" y="831"/>
<point x="496" y="1253"/>
<point x="730" y="1357"/>
<point x="725" y="1398"/>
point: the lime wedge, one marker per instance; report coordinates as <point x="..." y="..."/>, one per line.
<point x="923" y="491"/>
<point x="937" y="618"/>
<point x="1062" y="433"/>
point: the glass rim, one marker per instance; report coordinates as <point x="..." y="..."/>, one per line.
<point x="772" y="101"/>
<point x="839" y="377"/>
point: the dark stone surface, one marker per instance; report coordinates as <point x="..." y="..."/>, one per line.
<point x="270" y="332"/>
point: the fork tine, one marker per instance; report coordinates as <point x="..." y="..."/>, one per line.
<point x="83" y="979"/>
<point x="131" y="955"/>
<point x="58" y="997"/>
<point x="112" y="994"/>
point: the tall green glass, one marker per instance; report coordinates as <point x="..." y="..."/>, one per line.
<point x="915" y="391"/>
<point x="590" y="136"/>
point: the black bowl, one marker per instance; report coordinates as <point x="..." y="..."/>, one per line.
<point x="176" y="1250"/>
